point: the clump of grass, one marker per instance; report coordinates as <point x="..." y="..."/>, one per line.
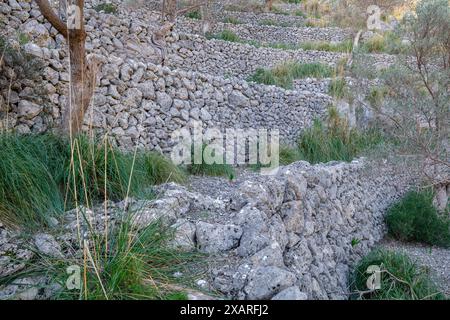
<point x="384" y="43"/>
<point x="400" y="279"/>
<point x="160" y="169"/>
<point x="95" y="170"/>
<point x="343" y="46"/>
<point x="377" y="96"/>
<point x="287" y="155"/>
<point x="338" y="88"/>
<point x="299" y="13"/>
<point x="283" y="75"/>
<point x="106" y="7"/>
<point x="335" y="141"/>
<point x="271" y="22"/>
<point x="194" y="15"/>
<point x="122" y="263"/>
<point x="43" y="175"/>
<point x="227" y="35"/>
<point x="30" y="169"/>
<point x="209" y="169"/>
<point x="415" y="218"/>
<point x="232" y="20"/>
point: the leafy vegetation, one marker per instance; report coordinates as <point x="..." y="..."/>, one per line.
<point x="415" y="218"/>
<point x="400" y="279"/>
<point x="283" y="75"/>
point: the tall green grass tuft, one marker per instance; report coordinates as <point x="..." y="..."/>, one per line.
<point x="335" y="141"/>
<point x="95" y="170"/>
<point x="212" y="169"/>
<point x="283" y="75"/>
<point x="160" y="169"/>
<point x="226" y="35"/>
<point x="343" y="46"/>
<point x="415" y="218"/>
<point x="30" y="171"/>
<point x="123" y="263"/>
<point x="400" y="278"/>
<point x="43" y="175"/>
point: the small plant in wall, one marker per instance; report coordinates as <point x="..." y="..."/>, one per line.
<point x="355" y="242"/>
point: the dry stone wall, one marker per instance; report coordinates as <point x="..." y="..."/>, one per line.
<point x="269" y="34"/>
<point x="136" y="101"/>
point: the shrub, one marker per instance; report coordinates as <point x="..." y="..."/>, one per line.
<point x="287" y="155"/>
<point x="335" y="141"/>
<point x="415" y="218"/>
<point x="389" y="42"/>
<point x="400" y="279"/>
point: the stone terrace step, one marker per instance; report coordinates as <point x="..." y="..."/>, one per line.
<point x="266" y="34"/>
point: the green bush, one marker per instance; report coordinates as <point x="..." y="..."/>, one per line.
<point x="400" y="279"/>
<point x="335" y="141"/>
<point x="287" y="155"/>
<point x="415" y="218"/>
<point x="283" y="75"/>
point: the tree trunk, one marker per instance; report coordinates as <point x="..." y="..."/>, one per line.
<point x="269" y="5"/>
<point x="82" y="71"/>
<point x="169" y="10"/>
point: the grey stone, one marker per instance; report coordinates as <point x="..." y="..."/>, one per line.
<point x="47" y="245"/>
<point x="265" y="282"/>
<point x="291" y="293"/>
<point x="215" y="238"/>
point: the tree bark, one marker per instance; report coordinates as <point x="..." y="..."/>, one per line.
<point x="169" y="10"/>
<point x="82" y="70"/>
<point x="269" y="5"/>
